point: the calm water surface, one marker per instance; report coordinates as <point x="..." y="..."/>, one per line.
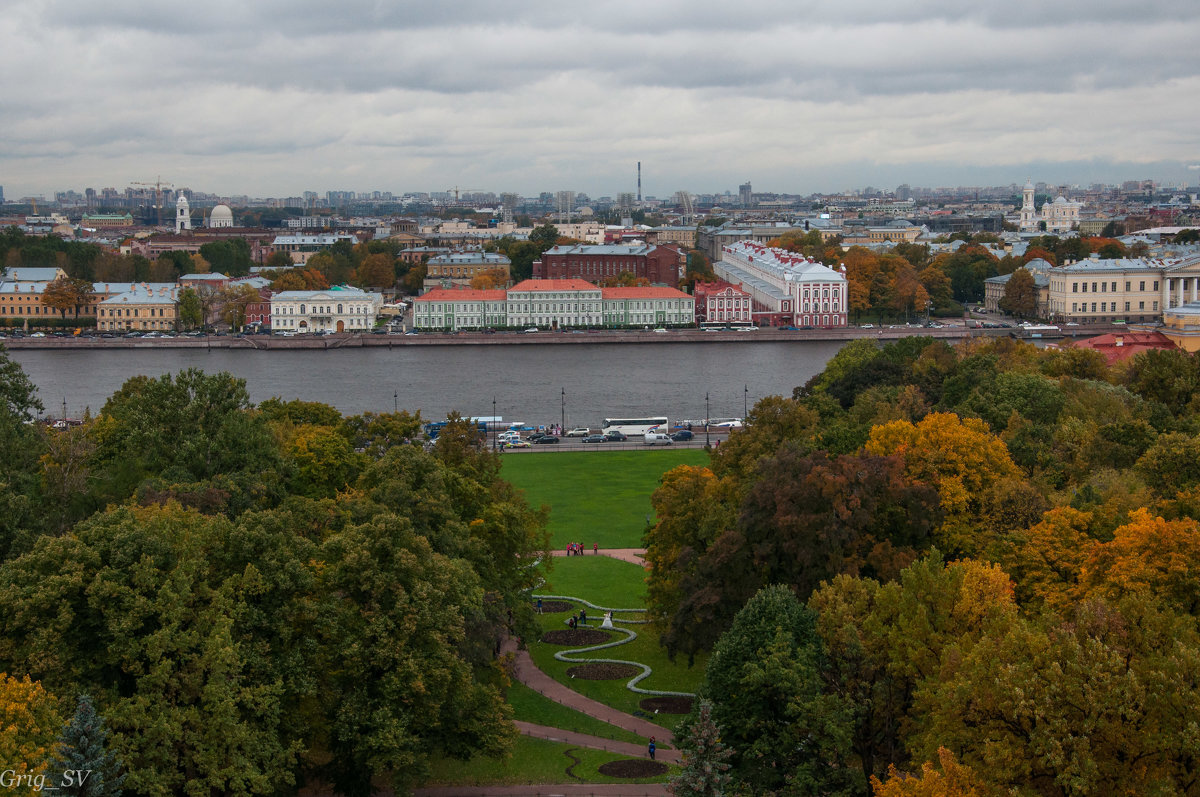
<point x="529" y="383"/>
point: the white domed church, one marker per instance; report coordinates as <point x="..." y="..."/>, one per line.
<point x="221" y="216"/>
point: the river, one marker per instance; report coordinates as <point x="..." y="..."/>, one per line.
<point x="534" y="384"/>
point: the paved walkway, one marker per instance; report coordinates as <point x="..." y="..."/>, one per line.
<point x="550" y="790"/>
<point x="528" y="673"/>
<point x="635" y="556"/>
<point x="593" y="742"/>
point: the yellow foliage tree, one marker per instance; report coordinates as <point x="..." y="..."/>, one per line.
<point x="1149" y="555"/>
<point x="953" y="780"/>
<point x="490" y="279"/>
<point x="957" y="456"/>
<point x="29" y="724"/>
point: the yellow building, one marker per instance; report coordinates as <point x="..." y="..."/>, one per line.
<point x="146" y="306"/>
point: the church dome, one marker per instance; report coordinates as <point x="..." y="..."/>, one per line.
<point x="221" y="216"/>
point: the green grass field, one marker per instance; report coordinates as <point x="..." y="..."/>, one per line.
<point x="609" y="582"/>
<point x="532" y="761"/>
<point x="529" y="706"/>
<point x="600" y="497"/>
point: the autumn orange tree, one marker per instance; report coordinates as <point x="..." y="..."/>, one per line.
<point x="948" y="779"/>
<point x="66" y="294"/>
<point x="29" y="724"/>
<point x="490" y="279"/>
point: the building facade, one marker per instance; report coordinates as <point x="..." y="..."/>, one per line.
<point x="785" y="288"/>
<point x="459" y="268"/>
<point x="662" y="265"/>
<point x="144" y="307"/>
<point x="1059" y="216"/>
<point x="551" y="304"/>
<point x="335" y="310"/>
<point x="720" y="301"/>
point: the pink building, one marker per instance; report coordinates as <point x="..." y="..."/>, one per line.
<point x="721" y="301"/>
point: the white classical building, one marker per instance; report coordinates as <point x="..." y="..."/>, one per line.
<point x="221" y="216"/>
<point x="785" y="287"/>
<point x="1126" y="289"/>
<point x="338" y="309"/>
<point x="183" y="215"/>
<point x="552" y="304"/>
<point x="1059" y="216"/>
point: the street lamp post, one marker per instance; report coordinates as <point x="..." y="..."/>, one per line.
<point x="396" y="402"/>
<point x="563" y="420"/>
<point x="495" y="423"/>
<point x="745" y="403"/>
<point x="706" y="442"/>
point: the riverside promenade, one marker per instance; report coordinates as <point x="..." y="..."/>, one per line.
<point x="359" y="341"/>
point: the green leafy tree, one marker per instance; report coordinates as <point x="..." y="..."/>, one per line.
<point x="764" y="683"/>
<point x="233" y="301"/>
<point x="191" y="311"/>
<point x="82" y="761"/>
<point x="280" y="259"/>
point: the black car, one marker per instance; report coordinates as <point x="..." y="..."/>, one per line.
<point x="595" y="438"/>
<point x="682" y="434"/>
<point x="546" y="438"/>
<point x="615" y="437"/>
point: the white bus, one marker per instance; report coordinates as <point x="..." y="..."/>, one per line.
<point x="637" y="426"/>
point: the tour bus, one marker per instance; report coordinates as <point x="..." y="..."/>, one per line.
<point x="637" y="426"/>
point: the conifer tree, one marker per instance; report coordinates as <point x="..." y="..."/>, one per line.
<point x="81" y="763"/>
<point x="705" y="769"/>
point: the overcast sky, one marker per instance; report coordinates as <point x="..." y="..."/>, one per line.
<point x="274" y="97"/>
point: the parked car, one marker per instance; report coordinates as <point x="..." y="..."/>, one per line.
<point x="682" y="435"/>
<point x="531" y="329"/>
<point x="579" y="431"/>
<point x="660" y="329"/>
<point x="546" y="438"/>
<point x="595" y="438"/>
<point x="615" y="437"/>
<point x="656" y="439"/>
<point x="517" y="444"/>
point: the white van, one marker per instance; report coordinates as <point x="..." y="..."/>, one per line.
<point x="657" y="439"/>
<point x="508" y="437"/>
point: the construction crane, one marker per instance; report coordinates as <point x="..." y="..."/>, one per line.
<point x="158" y="185"/>
<point x="456" y="189"/>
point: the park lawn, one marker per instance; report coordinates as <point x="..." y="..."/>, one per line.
<point x="610" y="582"/>
<point x="600" y="497"/>
<point x="532" y="761"/>
<point x="531" y="706"/>
<point x="601" y="580"/>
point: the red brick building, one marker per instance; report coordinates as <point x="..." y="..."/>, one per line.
<point x="661" y="265"/>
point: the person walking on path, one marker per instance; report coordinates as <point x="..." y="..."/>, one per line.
<point x="595" y="547"/>
<point x="539" y="606"/>
<point x="583" y="616"/>
<point x="650" y="747"/>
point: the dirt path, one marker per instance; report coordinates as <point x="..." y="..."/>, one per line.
<point x="636" y="556"/>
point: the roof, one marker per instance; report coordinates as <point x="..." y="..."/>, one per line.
<point x="643" y="293"/>
<point x="31" y="274"/>
<point x="215" y="276"/>
<point x="599" y="249"/>
<point x="336" y="293"/>
<point x="553" y="285"/>
<point x="22" y="286"/>
<point x="1117" y="346"/>
<point x="1118" y="264"/>
<point x="145" y="293"/>
<point x="462" y="295"/>
<point x="453" y="258"/>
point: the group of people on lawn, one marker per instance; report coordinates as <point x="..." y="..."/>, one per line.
<point x="576" y="548"/>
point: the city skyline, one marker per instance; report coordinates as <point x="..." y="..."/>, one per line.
<point x="260" y="100"/>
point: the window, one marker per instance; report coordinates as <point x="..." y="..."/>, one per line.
<point x="1127" y="307"/>
<point x="1142" y="285"/>
<point x="1093" y="287"/>
<point x="1155" y="288"/>
<point x="1103" y="287"/>
<point x="1127" y="289"/>
<point x="1141" y="305"/>
<point x="1074" y="287"/>
<point x="1084" y="288"/>
<point x="1093" y="307"/>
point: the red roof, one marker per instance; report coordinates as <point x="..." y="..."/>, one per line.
<point x="1117" y="346"/>
<point x="462" y="295"/>
<point x="553" y="285"/>
<point x="643" y="293"/>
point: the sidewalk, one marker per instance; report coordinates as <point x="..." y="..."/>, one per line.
<point x="634" y="556"/>
<point x="528" y="674"/>
<point x="593" y="742"/>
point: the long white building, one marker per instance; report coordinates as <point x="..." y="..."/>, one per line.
<point x="338" y="309"/>
<point x="552" y="304"/>
<point x="785" y="287"/>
